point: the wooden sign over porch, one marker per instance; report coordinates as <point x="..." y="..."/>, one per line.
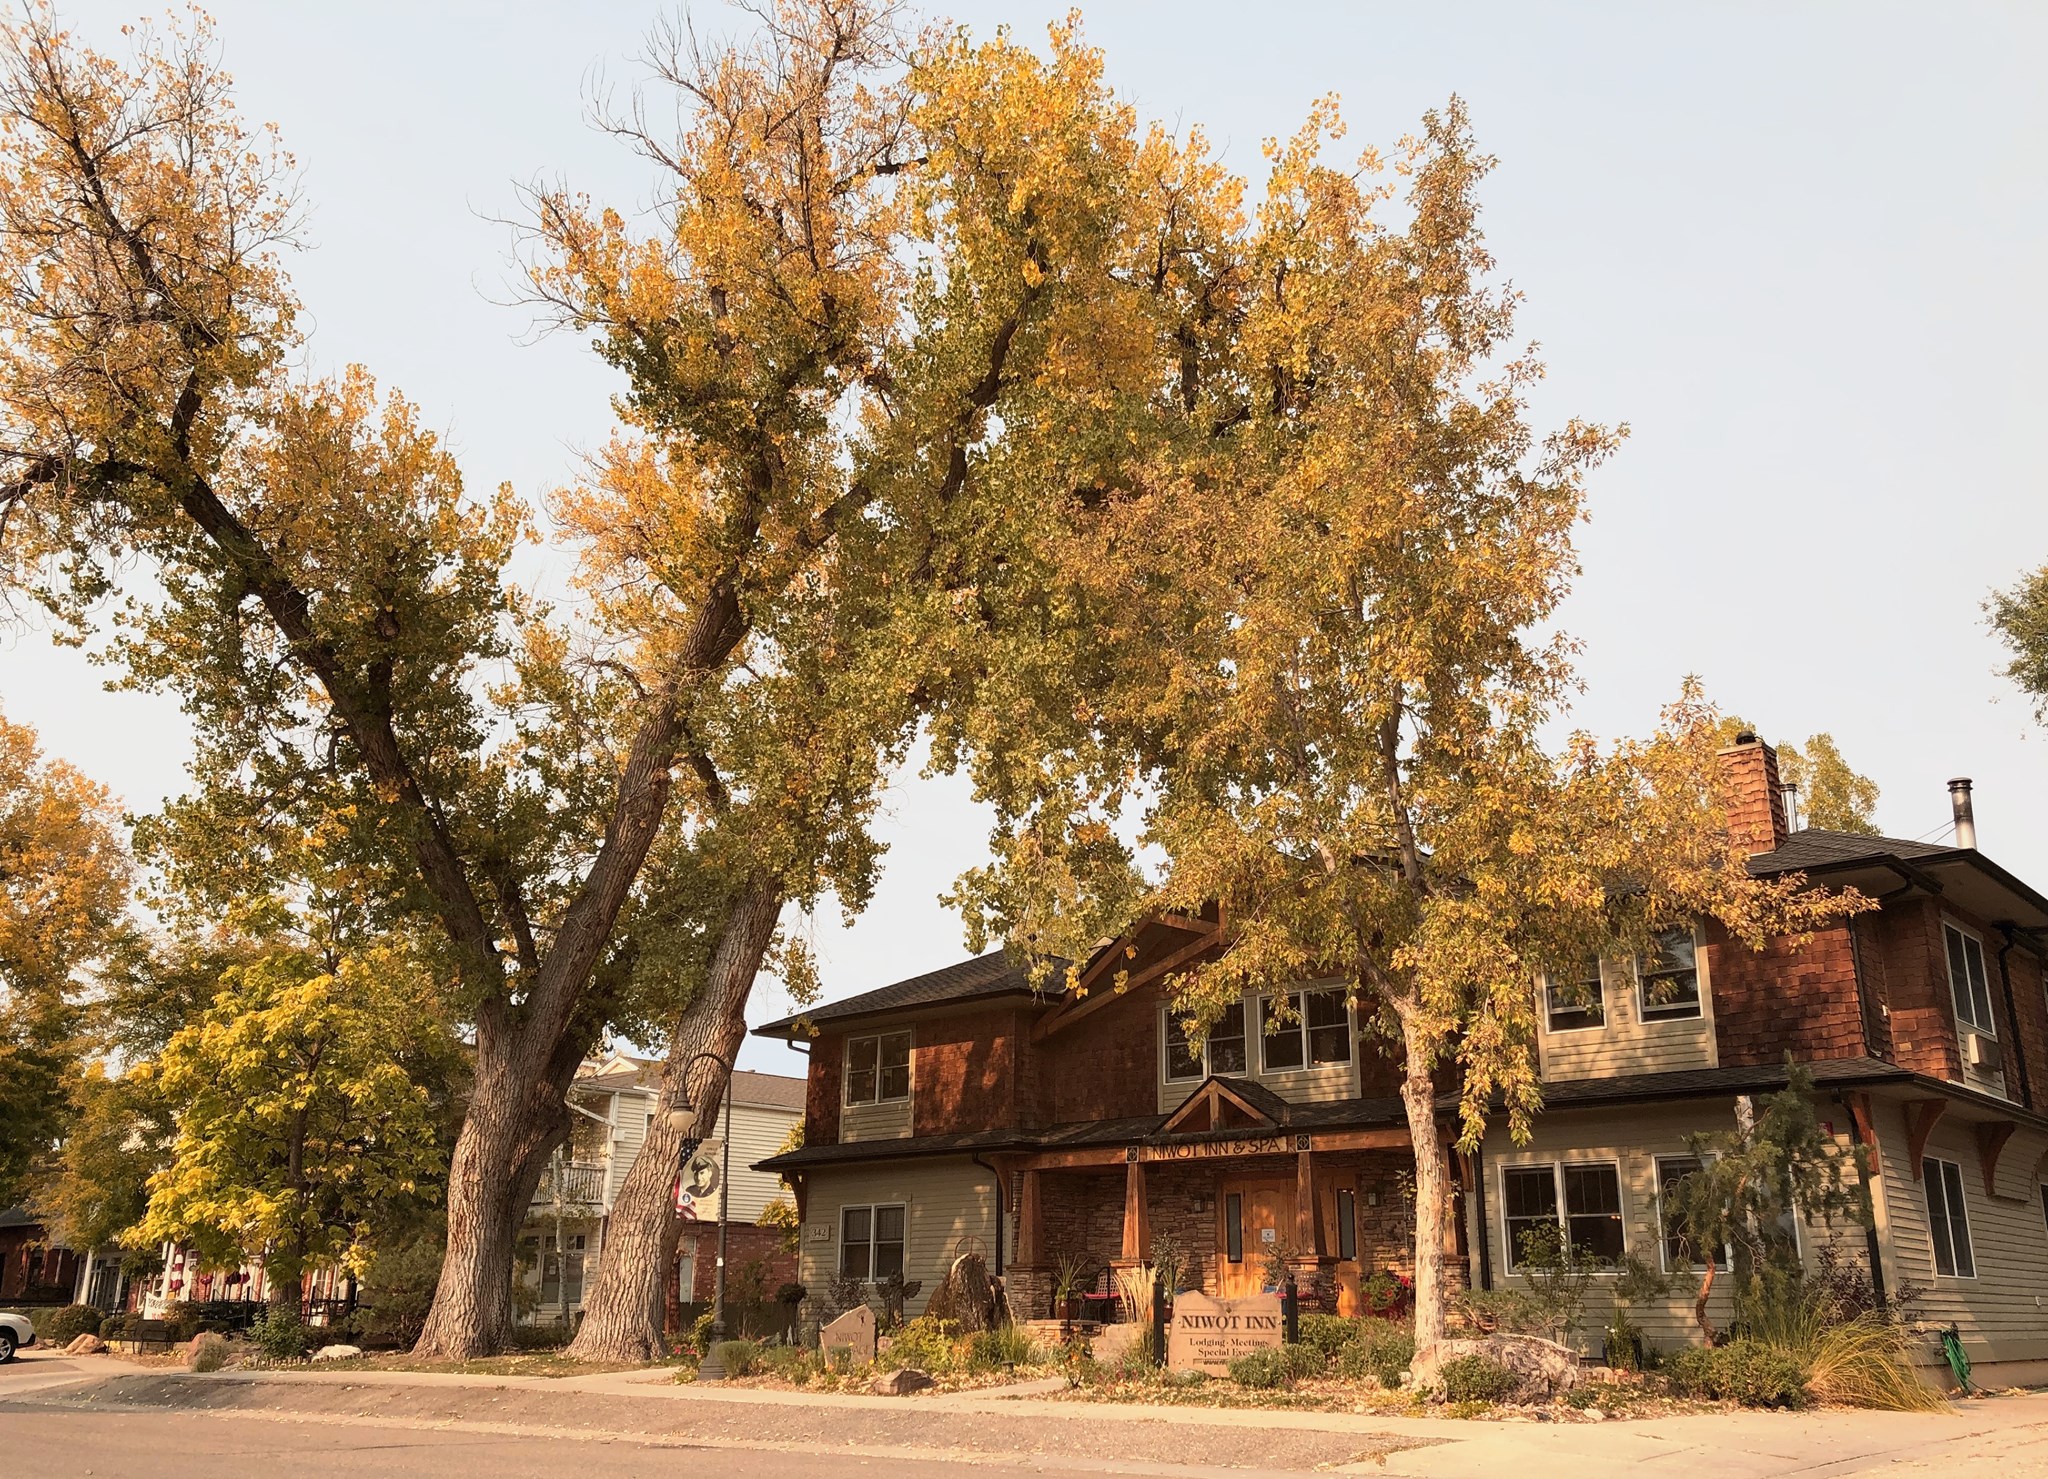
<point x="1219" y="1149"/>
<point x="1208" y="1334"/>
<point x="1204" y="1150"/>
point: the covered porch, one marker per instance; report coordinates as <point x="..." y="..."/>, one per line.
<point x="1248" y="1188"/>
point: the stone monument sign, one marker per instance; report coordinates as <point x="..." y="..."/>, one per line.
<point x="853" y="1331"/>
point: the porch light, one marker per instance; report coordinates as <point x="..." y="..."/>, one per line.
<point x="683" y="1120"/>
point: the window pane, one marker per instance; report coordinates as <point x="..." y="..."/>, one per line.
<point x="1182" y="1061"/>
<point x="853" y="1260"/>
<point x="1980" y="986"/>
<point x="1579" y="1002"/>
<point x="1530" y="1197"/>
<point x="1280" y="1042"/>
<point x="1670" y="978"/>
<point x="895" y="1077"/>
<point x="1958" y="1221"/>
<point x="1347" y="1224"/>
<point x="888" y="1260"/>
<point x="889" y="1224"/>
<point x="1937" y="1217"/>
<point x="1233" y="1227"/>
<point x="861" y="1055"/>
<point x="1670" y="1172"/>
<point x="854" y="1225"/>
<point x="1226" y="1041"/>
<point x="1329" y="1027"/>
<point x="1967" y="978"/>
<point x="1592" y="1200"/>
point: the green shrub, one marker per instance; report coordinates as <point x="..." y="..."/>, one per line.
<point x="60" y="1327"/>
<point x="1745" y="1371"/>
<point x="738" y="1357"/>
<point x="1476" y="1378"/>
<point x="209" y="1351"/>
<point x="1381" y="1350"/>
<point x="115" y="1327"/>
<point x="700" y="1333"/>
<point x="181" y="1320"/>
<point x="1329" y="1334"/>
<point x="1263" y="1369"/>
<point x="281" y="1335"/>
<point x="547" y="1335"/>
<point x="997" y="1348"/>
<point x="924" y="1343"/>
<point x="791" y="1362"/>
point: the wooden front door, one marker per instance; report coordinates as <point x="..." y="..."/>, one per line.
<point x="1253" y="1217"/>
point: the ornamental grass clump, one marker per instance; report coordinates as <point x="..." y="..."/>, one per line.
<point x="1476" y="1378"/>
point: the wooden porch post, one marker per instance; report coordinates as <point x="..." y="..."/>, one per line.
<point x="1308" y="1226"/>
<point x="1137" y="1217"/>
<point x="1030" y="1220"/>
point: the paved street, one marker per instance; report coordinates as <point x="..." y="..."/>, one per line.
<point x="96" y="1416"/>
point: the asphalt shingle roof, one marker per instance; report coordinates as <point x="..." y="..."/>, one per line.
<point x="993" y="974"/>
<point x="1816" y="847"/>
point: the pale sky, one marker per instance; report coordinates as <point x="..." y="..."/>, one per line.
<point x="1796" y="247"/>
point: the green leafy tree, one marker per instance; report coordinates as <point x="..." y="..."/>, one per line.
<point x="2020" y="618"/>
<point x="1776" y="1166"/>
<point x="296" y="1119"/>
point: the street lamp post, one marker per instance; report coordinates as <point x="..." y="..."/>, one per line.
<point x="683" y="1119"/>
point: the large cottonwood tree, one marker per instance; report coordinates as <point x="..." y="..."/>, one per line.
<point x="1323" y="668"/>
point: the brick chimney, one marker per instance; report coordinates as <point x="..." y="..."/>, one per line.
<point x="1752" y="795"/>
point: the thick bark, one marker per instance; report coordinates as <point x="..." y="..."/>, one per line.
<point x="1432" y="1188"/>
<point x="622" y="1311"/>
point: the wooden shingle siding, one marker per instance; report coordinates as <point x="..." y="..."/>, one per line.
<point x="1999" y="1312"/>
<point x="947" y="1199"/>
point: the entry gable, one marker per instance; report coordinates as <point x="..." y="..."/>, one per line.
<point x="1229" y="1104"/>
<point x="1151" y="950"/>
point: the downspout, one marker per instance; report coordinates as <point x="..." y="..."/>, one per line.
<point x="2012" y="1015"/>
<point x="1002" y="1215"/>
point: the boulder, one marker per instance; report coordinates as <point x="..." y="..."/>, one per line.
<point x="85" y="1345"/>
<point x="965" y="1296"/>
<point x="902" y="1383"/>
<point x="337" y="1352"/>
<point x="1546" y="1368"/>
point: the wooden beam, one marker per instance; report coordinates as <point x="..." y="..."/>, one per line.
<point x="1137" y="1216"/>
<point x="1866" y="1121"/>
<point x="1991" y="1138"/>
<point x="1308" y="1226"/>
<point x="1188" y="922"/>
<point x="1360" y="1139"/>
<point x="1064" y="1017"/>
<point x="1030" y="1220"/>
<point x="1082" y="1158"/>
<point x="1921" y="1117"/>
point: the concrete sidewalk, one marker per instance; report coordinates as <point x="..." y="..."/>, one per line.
<point x="2005" y="1436"/>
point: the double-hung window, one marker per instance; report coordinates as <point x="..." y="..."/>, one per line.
<point x="878" y="1068"/>
<point x="1668" y="977"/>
<point x="1671" y="1171"/>
<point x="1221" y="1052"/>
<point x="1313" y="1031"/>
<point x="1576" y="1001"/>
<point x="871" y="1241"/>
<point x="1948" y="1223"/>
<point x="1580" y="1199"/>
<point x="1967" y="981"/>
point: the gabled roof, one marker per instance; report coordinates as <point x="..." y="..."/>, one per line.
<point x="1961" y="874"/>
<point x="985" y="977"/>
<point x="1816" y="847"/>
<point x="751" y="1089"/>
<point x="1217" y="1095"/>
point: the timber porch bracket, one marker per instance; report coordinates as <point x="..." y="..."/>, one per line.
<point x="1991" y="1138"/>
<point x="1921" y="1117"/>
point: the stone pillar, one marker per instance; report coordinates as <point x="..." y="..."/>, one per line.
<point x="1027" y="1291"/>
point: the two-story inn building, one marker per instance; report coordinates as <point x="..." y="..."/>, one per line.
<point x="961" y="1109"/>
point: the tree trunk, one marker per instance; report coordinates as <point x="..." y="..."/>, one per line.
<point x="505" y="1139"/>
<point x="1432" y="1187"/>
<point x="622" y="1311"/>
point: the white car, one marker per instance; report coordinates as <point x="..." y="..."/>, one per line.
<point x="15" y="1331"/>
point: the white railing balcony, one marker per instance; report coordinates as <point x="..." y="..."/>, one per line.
<point x="572" y="1184"/>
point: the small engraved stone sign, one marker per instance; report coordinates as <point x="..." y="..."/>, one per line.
<point x="1208" y="1334"/>
<point x="853" y="1331"/>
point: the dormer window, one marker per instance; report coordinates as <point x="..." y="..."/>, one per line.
<point x="1668" y="977"/>
<point x="1968" y="984"/>
<point x="878" y="1068"/>
<point x="1576" y="1003"/>
<point x="1222" y="1052"/>
<point x="1315" y="1031"/>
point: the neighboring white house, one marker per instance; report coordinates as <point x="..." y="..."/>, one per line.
<point x="612" y="1104"/>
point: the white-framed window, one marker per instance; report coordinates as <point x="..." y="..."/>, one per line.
<point x="1668" y="977"/>
<point x="1223" y="1051"/>
<point x="1581" y="1198"/>
<point x="1676" y="1248"/>
<point x="1948" y="1222"/>
<point x="878" y="1068"/>
<point x="1968" y="983"/>
<point x="1318" y="1036"/>
<point x="871" y="1241"/>
<point x="561" y="1271"/>
<point x="1577" y="1003"/>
